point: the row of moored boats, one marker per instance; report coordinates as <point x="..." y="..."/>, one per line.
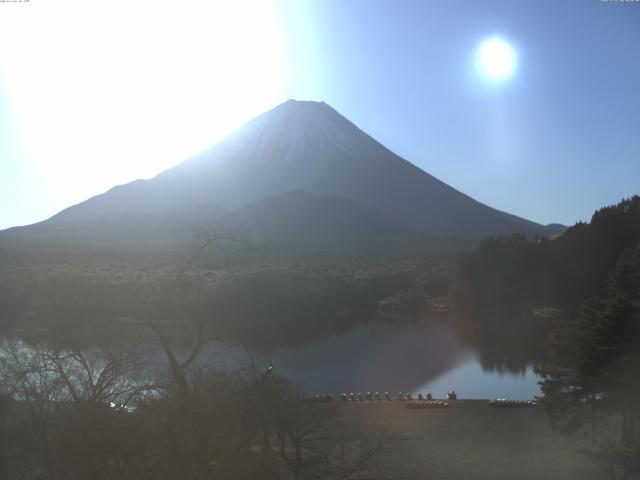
<point x="418" y="401"/>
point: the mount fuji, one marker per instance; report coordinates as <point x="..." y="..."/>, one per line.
<point x="300" y="172"/>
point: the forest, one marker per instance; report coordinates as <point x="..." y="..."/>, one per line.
<point x="583" y="290"/>
<point x="267" y="303"/>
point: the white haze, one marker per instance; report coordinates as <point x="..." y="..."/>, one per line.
<point x="106" y="92"/>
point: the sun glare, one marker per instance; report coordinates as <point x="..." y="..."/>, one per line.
<point x="107" y="92"/>
<point x="496" y="58"/>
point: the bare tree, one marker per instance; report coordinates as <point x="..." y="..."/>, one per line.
<point x="72" y="407"/>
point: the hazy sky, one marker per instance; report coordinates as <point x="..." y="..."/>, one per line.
<point x="96" y="93"/>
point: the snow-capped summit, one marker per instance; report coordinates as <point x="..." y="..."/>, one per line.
<point x="294" y="126"/>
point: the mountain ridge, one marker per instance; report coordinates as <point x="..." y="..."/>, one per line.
<point x="302" y="146"/>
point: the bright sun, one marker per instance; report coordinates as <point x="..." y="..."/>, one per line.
<point x="496" y="58"/>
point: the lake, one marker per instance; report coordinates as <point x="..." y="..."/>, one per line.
<point x="379" y="357"/>
<point x="407" y="358"/>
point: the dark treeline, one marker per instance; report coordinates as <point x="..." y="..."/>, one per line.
<point x="590" y="381"/>
<point x="573" y="301"/>
<point x="508" y="272"/>
<point x="264" y="304"/>
<point x="511" y="289"/>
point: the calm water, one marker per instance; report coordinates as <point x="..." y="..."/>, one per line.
<point x="380" y="358"/>
<point x="407" y="358"/>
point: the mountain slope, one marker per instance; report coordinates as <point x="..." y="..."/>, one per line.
<point x="301" y="146"/>
<point x="305" y="218"/>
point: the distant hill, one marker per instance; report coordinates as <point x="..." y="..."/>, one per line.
<point x="555" y="229"/>
<point x="356" y="190"/>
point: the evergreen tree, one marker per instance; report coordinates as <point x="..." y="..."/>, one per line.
<point x="591" y="376"/>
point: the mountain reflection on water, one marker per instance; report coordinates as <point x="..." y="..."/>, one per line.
<point x="379" y="357"/>
<point x="409" y="358"/>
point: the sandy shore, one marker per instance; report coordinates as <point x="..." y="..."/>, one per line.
<point x="466" y="441"/>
